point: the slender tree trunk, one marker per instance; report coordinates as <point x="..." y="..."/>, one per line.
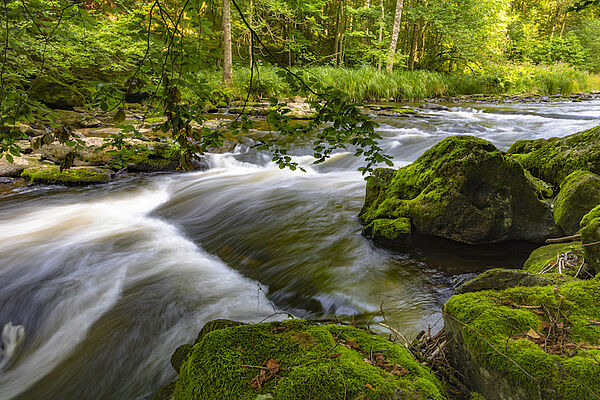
<point x="415" y="42"/>
<point x="555" y="22"/>
<point x="562" y="29"/>
<point x="227" y="58"/>
<point x="395" y="33"/>
<point x="381" y="21"/>
<point x="251" y="41"/>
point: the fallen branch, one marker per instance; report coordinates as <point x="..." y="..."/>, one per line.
<point x="564" y="239"/>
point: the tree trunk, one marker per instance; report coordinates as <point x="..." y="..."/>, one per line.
<point x="395" y="33"/>
<point x="381" y="21"/>
<point x="251" y="41"/>
<point x="227" y="58"/>
<point x="415" y="42"/>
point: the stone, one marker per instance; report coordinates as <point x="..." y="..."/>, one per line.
<point x="505" y="343"/>
<point x="579" y="193"/>
<point x="466" y="190"/>
<point x="500" y="279"/>
<point x="300" y="360"/>
<point x="590" y="236"/>
<point x="552" y="160"/>
<point x="76" y="176"/>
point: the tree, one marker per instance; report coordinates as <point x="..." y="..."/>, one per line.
<point x="227" y="55"/>
<point x="395" y="34"/>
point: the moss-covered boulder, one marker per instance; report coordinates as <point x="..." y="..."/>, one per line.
<point x="77" y="176"/>
<point x="546" y="259"/>
<point x="590" y="235"/>
<point x="552" y="160"/>
<point x="501" y="279"/>
<point x="579" y="193"/>
<point x="57" y="94"/>
<point x="297" y="359"/>
<point x="528" y="342"/>
<point x="135" y="155"/>
<point x="463" y="189"/>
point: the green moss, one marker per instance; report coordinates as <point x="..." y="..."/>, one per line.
<point x="476" y="396"/>
<point x="543" y="189"/>
<point x="502" y="319"/>
<point x="466" y="190"/>
<point x="312" y="365"/>
<point x="593" y="214"/>
<point x="579" y="193"/>
<point x="390" y="229"/>
<point x="590" y="235"/>
<point x="543" y="256"/>
<point x="149" y="158"/>
<point x="70" y="177"/>
<point x="552" y="160"/>
<point x="500" y="279"/>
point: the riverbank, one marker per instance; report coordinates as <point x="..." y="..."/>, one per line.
<point x="96" y="160"/>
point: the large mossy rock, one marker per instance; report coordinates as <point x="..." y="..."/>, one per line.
<point x="590" y="235"/>
<point x="552" y="160"/>
<point x="297" y="359"/>
<point x="528" y="342"/>
<point x="579" y="193"/>
<point x="466" y="190"/>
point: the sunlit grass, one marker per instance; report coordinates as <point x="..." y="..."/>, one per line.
<point x="366" y="83"/>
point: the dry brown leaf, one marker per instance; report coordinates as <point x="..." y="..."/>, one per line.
<point x="369" y="386"/>
<point x="533" y="334"/>
<point x="273" y="366"/>
<point x="399" y="370"/>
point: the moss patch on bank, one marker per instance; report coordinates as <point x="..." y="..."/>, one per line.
<point x="69" y="177"/>
<point x="541" y="339"/>
<point x="313" y="361"/>
<point x="545" y="257"/>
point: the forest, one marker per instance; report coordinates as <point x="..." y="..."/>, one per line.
<point x="88" y="52"/>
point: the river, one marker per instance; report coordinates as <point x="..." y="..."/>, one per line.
<point x="107" y="281"/>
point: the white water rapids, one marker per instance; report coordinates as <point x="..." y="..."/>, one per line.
<point x="107" y="281"/>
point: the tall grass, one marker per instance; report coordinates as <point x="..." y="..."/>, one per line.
<point x="366" y="83"/>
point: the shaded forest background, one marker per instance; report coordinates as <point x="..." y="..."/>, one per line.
<point x="67" y="53"/>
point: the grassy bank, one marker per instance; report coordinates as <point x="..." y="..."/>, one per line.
<point x="367" y="83"/>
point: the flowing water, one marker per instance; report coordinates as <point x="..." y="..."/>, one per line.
<point x="107" y="281"/>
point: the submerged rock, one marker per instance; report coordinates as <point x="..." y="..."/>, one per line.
<point x="528" y="342"/>
<point x="466" y="190"/>
<point x="552" y="160"/>
<point x="579" y="193"/>
<point x="297" y="359"/>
